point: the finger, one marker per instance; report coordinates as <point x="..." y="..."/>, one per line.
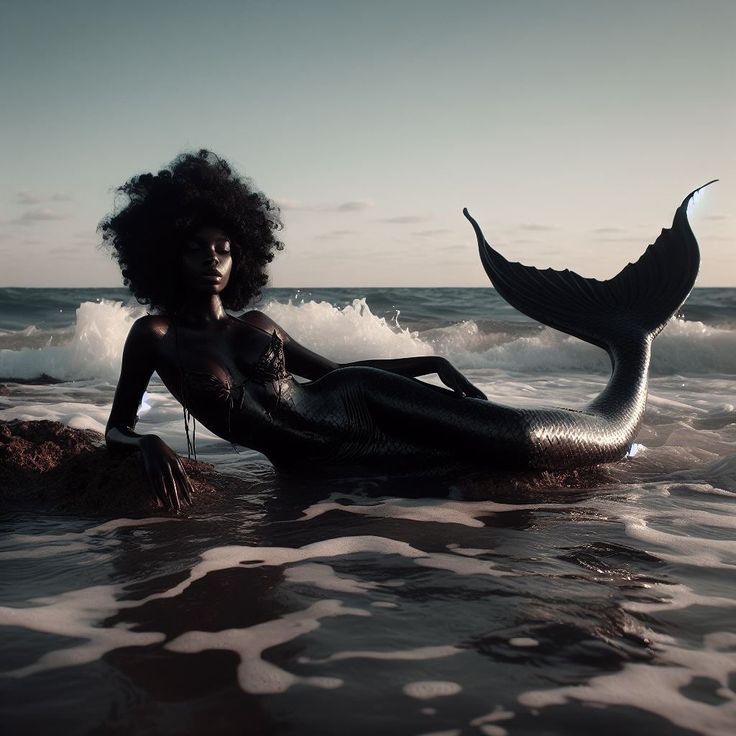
<point x="476" y="393"/>
<point x="480" y="394"/>
<point x="154" y="481"/>
<point x="473" y="391"/>
<point x="159" y="490"/>
<point x="184" y="482"/>
<point x="172" y="489"/>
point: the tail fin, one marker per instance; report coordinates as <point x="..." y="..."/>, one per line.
<point x="637" y="302"/>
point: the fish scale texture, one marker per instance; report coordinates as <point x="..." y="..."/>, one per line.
<point x="360" y="417"/>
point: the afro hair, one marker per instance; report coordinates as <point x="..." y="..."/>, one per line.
<point x="163" y="209"/>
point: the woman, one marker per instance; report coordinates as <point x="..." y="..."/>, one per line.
<point x="194" y="240"/>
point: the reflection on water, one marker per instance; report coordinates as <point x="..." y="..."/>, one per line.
<point x="404" y="614"/>
<point x="592" y="602"/>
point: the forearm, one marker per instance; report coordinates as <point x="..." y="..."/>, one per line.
<point x="421" y="366"/>
<point x="410" y="367"/>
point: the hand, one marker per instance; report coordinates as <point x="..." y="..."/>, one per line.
<point x="452" y="378"/>
<point x="166" y="476"/>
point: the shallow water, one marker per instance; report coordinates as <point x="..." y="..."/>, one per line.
<point x="601" y="602"/>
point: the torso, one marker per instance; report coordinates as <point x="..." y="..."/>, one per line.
<point x="233" y="378"/>
<point x="208" y="368"/>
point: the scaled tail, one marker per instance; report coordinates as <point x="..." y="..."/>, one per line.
<point x="636" y="303"/>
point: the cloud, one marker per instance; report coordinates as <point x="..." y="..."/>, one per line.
<point x="289" y="204"/>
<point x="66" y="250"/>
<point x="331" y="234"/>
<point x="26" y="198"/>
<point x="608" y="230"/>
<point x="39" y="214"/>
<point x="432" y="233"/>
<point x="716" y="218"/>
<point x="404" y="219"/>
<point x="353" y="205"/>
<point x="621" y="239"/>
<point x="356" y="205"/>
<point x="534" y="227"/>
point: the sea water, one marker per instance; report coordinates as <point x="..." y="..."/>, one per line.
<point x="395" y="605"/>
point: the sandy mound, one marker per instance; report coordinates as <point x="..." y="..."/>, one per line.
<point x="48" y="465"/>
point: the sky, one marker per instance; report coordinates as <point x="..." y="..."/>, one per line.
<point x="571" y="129"/>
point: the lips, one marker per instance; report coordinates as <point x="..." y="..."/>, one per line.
<point x="211" y="275"/>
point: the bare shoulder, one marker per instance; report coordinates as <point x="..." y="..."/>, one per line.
<point x="259" y="320"/>
<point x="149" y="329"/>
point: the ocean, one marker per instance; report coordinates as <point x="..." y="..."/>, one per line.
<point x="600" y="603"/>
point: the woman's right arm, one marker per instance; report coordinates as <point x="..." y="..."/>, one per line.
<point x="165" y="473"/>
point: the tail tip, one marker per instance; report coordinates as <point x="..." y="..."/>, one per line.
<point x="688" y="199"/>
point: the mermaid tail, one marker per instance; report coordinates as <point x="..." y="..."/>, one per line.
<point x="636" y="303"/>
<point x="621" y="315"/>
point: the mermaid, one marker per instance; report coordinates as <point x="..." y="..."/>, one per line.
<point x="194" y="241"/>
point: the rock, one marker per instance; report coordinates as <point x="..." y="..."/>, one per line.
<point x="47" y="465"/>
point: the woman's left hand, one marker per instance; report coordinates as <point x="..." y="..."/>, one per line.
<point x="452" y="378"/>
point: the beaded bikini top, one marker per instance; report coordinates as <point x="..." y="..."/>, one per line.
<point x="270" y="368"/>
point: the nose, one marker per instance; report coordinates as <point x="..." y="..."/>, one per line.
<point x="211" y="254"/>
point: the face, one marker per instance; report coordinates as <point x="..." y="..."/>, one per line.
<point x="206" y="261"/>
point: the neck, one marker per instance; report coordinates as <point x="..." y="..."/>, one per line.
<point x="202" y="309"/>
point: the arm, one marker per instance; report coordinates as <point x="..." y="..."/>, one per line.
<point x="424" y="365"/>
<point x="308" y="364"/>
<point x="165" y="474"/>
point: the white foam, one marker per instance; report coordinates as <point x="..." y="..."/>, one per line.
<point x="222" y="558"/>
<point x="466" y="513"/>
<point x="108" y="526"/>
<point x="324" y="577"/>
<point x="487" y="724"/>
<point x="682" y="348"/>
<point x="36" y="553"/>
<point x="353" y="332"/>
<point x="397" y="655"/>
<point x="657" y="688"/>
<point x="76" y="614"/>
<point x="686" y="550"/>
<point x="461" y="565"/>
<point x="523" y="641"/>
<point x="467" y="551"/>
<point x="345" y="334"/>
<point x="675" y="597"/>
<point x="428" y="689"/>
<point x="256" y="675"/>
<point x="94" y="350"/>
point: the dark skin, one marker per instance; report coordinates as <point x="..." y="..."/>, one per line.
<point x="206" y="339"/>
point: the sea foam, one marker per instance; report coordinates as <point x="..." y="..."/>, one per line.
<point x="354" y="332"/>
<point x="94" y="350"/>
